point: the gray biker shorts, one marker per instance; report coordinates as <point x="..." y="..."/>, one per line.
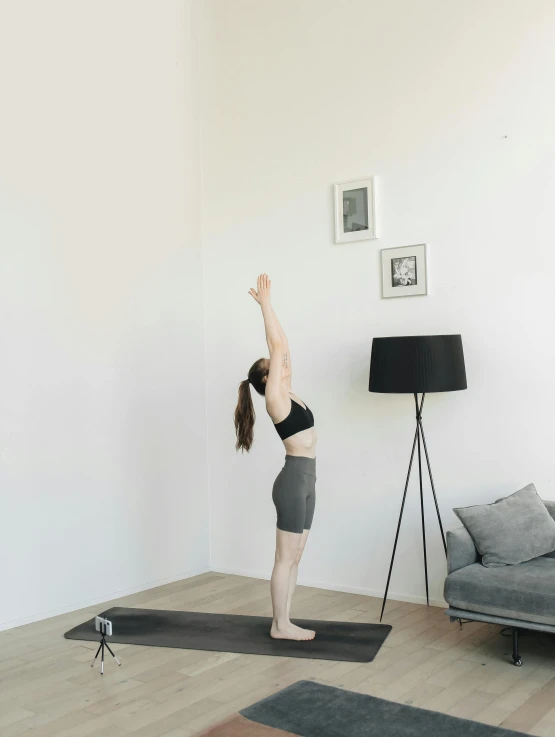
<point x="294" y="494"/>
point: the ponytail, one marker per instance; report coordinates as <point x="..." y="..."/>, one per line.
<point x="244" y="418"/>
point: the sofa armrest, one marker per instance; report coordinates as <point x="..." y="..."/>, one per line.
<point x="461" y="551"/>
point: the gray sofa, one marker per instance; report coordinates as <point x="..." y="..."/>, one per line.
<point x="517" y="596"/>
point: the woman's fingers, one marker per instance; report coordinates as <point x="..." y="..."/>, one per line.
<point x="263" y="284"/>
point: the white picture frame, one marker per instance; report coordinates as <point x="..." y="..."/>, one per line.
<point x="405" y="271"/>
<point x="355" y="210"/>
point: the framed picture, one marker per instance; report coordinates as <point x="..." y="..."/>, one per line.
<point x="404" y="271"/>
<point x="355" y="215"/>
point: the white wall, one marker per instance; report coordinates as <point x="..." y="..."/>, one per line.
<point x="450" y="104"/>
<point x="102" y="390"/>
<point x="103" y="478"/>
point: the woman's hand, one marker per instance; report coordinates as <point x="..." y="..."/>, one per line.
<point x="262" y="293"/>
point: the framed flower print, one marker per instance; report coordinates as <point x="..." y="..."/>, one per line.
<point x="404" y="271"/>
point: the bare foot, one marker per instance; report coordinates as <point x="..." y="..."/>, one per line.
<point x="300" y="629"/>
<point x="291" y="632"/>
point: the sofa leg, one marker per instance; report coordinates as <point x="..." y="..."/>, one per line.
<point x="517" y="660"/>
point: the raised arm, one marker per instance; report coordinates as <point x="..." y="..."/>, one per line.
<point x="280" y="361"/>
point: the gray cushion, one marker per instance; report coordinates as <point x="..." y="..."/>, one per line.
<point x="511" y="530"/>
<point x="524" y="591"/>
<point x="461" y="550"/>
<point x="550" y="506"/>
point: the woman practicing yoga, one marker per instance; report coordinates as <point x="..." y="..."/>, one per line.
<point x="294" y="492"/>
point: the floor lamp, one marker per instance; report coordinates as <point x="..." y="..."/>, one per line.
<point x="417" y="365"/>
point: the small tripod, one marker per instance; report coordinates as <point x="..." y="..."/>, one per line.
<point x="103" y="626"/>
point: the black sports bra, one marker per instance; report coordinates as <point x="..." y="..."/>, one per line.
<point x="298" y="419"/>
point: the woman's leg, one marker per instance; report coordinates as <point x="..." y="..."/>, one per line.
<point x="295" y="570"/>
<point x="287" y="548"/>
<point x="310" y="503"/>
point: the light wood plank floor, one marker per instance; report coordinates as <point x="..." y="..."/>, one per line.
<point x="48" y="687"/>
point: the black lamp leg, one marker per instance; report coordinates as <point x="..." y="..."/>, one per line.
<point x="418" y="418"/>
<point x="399" y="524"/>
<point x="417" y="436"/>
<point x="432" y="482"/>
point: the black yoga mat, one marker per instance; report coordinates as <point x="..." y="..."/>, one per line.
<point x="348" y="641"/>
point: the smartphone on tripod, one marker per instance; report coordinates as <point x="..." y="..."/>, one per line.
<point x="104" y="626"/>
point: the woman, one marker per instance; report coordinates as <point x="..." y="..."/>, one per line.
<point x="294" y="489"/>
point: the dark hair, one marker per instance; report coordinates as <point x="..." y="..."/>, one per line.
<point x="245" y="416"/>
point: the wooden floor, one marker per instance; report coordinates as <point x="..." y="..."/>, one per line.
<point x="48" y="686"/>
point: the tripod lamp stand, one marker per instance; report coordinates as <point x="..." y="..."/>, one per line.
<point x="417" y="365"/>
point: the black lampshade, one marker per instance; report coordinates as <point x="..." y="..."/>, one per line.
<point x="417" y="364"/>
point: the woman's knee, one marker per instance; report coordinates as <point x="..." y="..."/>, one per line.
<point x="299" y="555"/>
<point x="286" y="558"/>
<point x="287" y="555"/>
<point x="287" y="546"/>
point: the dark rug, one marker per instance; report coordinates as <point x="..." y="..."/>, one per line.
<point x="309" y="709"/>
<point x="348" y="641"/>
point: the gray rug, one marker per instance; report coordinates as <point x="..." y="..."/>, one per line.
<point x="309" y="709"/>
<point x="348" y="641"/>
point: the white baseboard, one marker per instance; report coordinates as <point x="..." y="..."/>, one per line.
<point x="99" y="599"/>
<point x="330" y="586"/>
